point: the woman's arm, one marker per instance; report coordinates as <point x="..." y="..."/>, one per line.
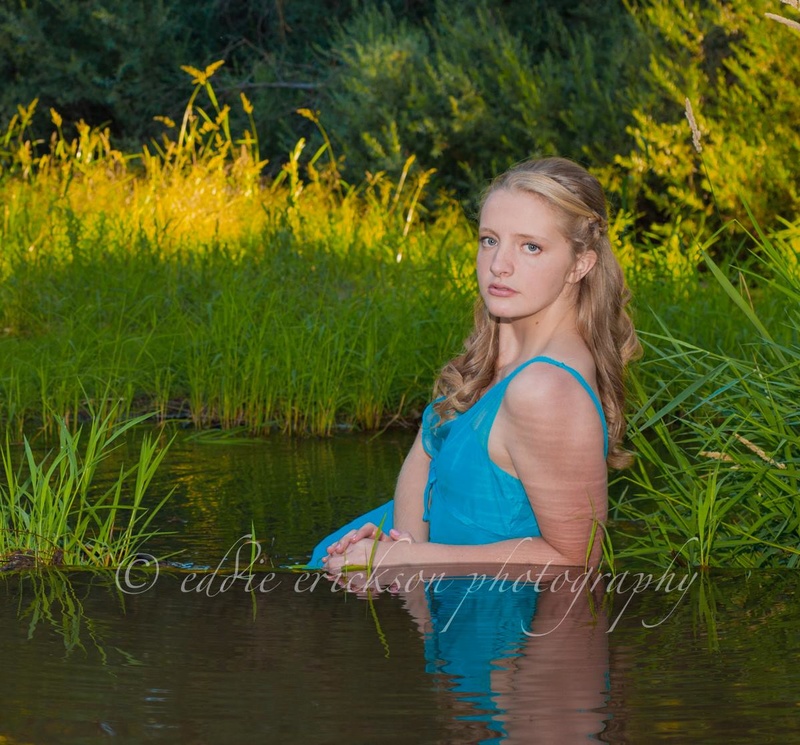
<point x="408" y="506"/>
<point x="549" y="434"/>
<point x="409" y="493"/>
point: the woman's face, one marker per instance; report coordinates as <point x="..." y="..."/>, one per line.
<point x="526" y="267"/>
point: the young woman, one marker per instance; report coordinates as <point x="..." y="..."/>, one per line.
<point x="510" y="465"/>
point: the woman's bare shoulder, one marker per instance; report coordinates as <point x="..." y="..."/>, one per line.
<point x="543" y="385"/>
<point x="546" y="408"/>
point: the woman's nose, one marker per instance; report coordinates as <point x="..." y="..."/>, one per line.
<point x="501" y="262"/>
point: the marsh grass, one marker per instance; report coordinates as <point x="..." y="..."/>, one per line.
<point x="52" y="511"/>
<point x="180" y="281"/>
<point x="716" y="482"/>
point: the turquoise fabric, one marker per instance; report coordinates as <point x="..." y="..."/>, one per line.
<point x="476" y="624"/>
<point x="468" y="498"/>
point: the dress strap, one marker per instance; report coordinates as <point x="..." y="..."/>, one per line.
<point x="575" y="374"/>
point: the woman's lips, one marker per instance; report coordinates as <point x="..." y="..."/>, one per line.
<point x="501" y="291"/>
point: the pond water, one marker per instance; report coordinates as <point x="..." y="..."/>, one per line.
<point x="183" y="656"/>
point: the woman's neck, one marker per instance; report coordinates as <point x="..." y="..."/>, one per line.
<point x="522" y="340"/>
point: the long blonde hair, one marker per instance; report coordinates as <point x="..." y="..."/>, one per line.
<point x="602" y="320"/>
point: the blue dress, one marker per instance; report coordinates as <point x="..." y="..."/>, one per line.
<point x="469" y="499"/>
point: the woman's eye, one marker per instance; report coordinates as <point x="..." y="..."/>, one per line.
<point x="487" y="241"/>
<point x="532" y="248"/>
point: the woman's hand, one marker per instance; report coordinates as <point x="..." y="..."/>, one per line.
<point x="366" y="531"/>
<point x="350" y="553"/>
<point x="357" y="547"/>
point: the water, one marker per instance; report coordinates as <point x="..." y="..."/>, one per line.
<point x="291" y="491"/>
<point x="183" y="658"/>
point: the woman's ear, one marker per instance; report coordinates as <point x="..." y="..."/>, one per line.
<point x="583" y="264"/>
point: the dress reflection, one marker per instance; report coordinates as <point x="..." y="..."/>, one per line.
<point x="531" y="661"/>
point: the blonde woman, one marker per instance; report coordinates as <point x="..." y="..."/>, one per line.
<point x="510" y="464"/>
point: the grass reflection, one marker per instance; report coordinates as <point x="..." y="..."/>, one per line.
<point x="55" y="599"/>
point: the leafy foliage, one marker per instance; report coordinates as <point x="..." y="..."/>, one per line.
<point x="741" y="72"/>
<point x="482" y="85"/>
<point x="467" y="89"/>
<point x="95" y="61"/>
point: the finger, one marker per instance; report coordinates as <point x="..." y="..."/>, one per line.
<point x="367" y="530"/>
<point x="401" y="535"/>
<point x="379" y="533"/>
<point x="340" y="546"/>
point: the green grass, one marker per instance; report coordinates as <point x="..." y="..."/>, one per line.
<point x="52" y="512"/>
<point x="716" y="482"/>
<point x="293" y="341"/>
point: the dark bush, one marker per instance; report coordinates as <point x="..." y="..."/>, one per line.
<point x="480" y="85"/>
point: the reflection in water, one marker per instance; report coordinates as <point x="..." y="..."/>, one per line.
<point x="290" y="489"/>
<point x="530" y="662"/>
<point x="302" y="662"/>
<point x="51" y="599"/>
<point x="508" y="662"/>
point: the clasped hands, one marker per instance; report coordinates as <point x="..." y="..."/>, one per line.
<point x="358" y="547"/>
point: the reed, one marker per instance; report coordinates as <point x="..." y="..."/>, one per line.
<point x="716" y="483"/>
<point x="53" y="513"/>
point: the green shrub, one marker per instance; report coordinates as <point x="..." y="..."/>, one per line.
<point x="741" y="72"/>
<point x="99" y="60"/>
<point x="482" y="85"/>
<point x="117" y="63"/>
